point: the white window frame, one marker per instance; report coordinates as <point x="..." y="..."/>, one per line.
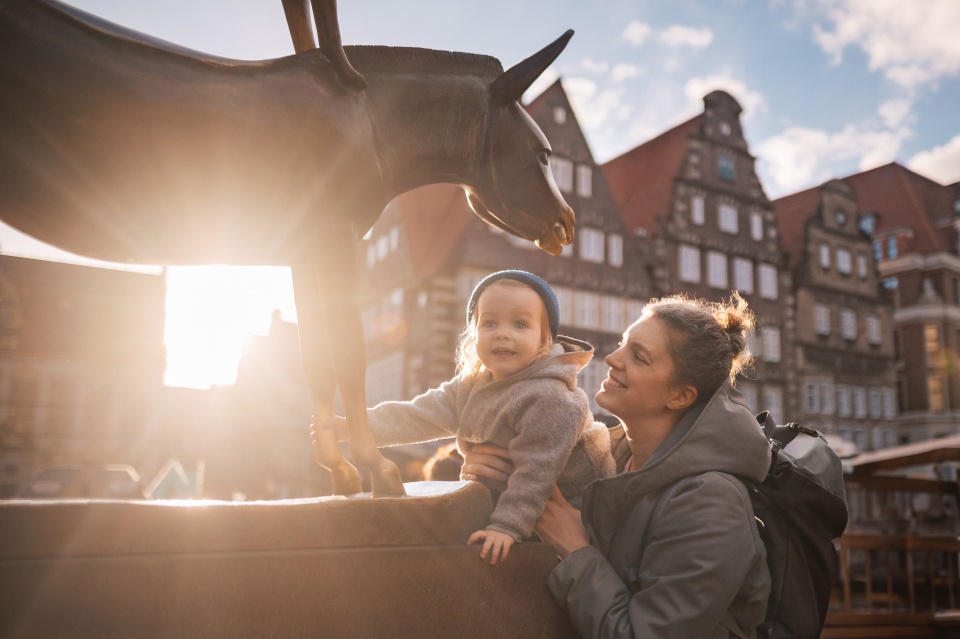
<point x="862" y="266"/>
<point x="559" y="115"/>
<point x="717" y="269"/>
<point x="848" y="324"/>
<point x="767" y="276"/>
<point x="773" y="401"/>
<point x="876" y="403"/>
<point x="858" y="396"/>
<point x="611" y="314"/>
<point x="826" y="397"/>
<point x="770" y="335"/>
<point x="824" y="256"/>
<point x="562" y="173"/>
<point x="844" y="262"/>
<point x="756" y="226"/>
<point x="633" y="310"/>
<point x="688" y="258"/>
<point x="586" y="310"/>
<point x="889" y="405"/>
<point x="874" y="334"/>
<point x="728" y="218"/>
<point x="591" y="245"/>
<point x="749" y="392"/>
<point x="697" y="210"/>
<point x="811" y="397"/>
<point x="565" y="302"/>
<point x="821" y="319"/>
<point x="615" y="249"/>
<point x="584" y="180"/>
<point x="743" y="275"/>
<point x="843" y="401"/>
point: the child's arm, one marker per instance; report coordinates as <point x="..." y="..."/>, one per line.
<point x="497" y="542"/>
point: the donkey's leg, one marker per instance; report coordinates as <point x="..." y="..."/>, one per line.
<point x="343" y="328"/>
<point x="318" y="366"/>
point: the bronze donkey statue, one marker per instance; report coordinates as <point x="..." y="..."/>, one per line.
<point x="122" y="147"/>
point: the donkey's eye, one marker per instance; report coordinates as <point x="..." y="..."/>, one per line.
<point x="543" y="157"/>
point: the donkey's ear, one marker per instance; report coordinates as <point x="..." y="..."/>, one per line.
<point x="511" y="84"/>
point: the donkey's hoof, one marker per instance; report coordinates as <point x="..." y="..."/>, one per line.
<point x="346" y="479"/>
<point x="385" y="480"/>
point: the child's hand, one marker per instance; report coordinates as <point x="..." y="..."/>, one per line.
<point x="338" y="424"/>
<point x="495" y="541"/>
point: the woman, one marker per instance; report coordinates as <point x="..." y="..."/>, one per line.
<point x="668" y="547"/>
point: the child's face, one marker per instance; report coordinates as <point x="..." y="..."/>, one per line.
<point x="509" y="328"/>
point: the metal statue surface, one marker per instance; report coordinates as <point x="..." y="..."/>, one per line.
<point x="122" y="147"/>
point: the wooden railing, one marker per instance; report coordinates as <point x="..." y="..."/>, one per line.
<point x="896" y="586"/>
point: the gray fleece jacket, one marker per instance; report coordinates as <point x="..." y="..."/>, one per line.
<point x="539" y="414"/>
<point x="675" y="549"/>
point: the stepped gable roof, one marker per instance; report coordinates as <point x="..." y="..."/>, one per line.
<point x="904" y="199"/>
<point x="641" y="180"/>
<point x="567" y="138"/>
<point x="434" y="220"/>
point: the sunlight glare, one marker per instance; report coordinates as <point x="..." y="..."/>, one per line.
<point x="211" y="313"/>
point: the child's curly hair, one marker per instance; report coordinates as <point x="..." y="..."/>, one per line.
<point x="468" y="362"/>
<point x="708" y="340"/>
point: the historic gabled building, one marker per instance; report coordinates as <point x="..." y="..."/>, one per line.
<point x="843" y="344"/>
<point x="428" y="251"/>
<point x="914" y="224"/>
<point x="692" y="194"/>
<point x="81" y="361"/>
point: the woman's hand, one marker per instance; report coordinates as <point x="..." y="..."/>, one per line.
<point x="560" y="525"/>
<point x="486" y="460"/>
<point x="495" y="541"/>
<point x="338" y="424"/>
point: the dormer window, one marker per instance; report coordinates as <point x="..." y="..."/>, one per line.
<point x="725" y="129"/>
<point x="725" y="167"/>
<point x="841" y="218"/>
<point x="559" y="115"/>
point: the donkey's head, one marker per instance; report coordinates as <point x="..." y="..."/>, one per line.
<point x="515" y="190"/>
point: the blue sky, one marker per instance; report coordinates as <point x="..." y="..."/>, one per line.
<point x="829" y="87"/>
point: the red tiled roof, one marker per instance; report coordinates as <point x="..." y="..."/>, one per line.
<point x="641" y="180"/>
<point x="434" y="219"/>
<point x="792" y="213"/>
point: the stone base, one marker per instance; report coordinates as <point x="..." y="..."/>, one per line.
<point x="326" y="567"/>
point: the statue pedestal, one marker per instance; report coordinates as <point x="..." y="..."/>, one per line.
<point x="324" y="567"/>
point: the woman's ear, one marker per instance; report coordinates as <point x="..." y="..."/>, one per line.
<point x="682" y="397"/>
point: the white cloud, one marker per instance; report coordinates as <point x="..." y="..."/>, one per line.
<point x="625" y="71"/>
<point x="696" y="88"/>
<point x="636" y="33"/>
<point x="911" y="42"/>
<point x="594" y="66"/>
<point x="595" y="107"/>
<point x="800" y="157"/>
<point x="894" y="112"/>
<point x="941" y="163"/>
<point x="681" y="36"/>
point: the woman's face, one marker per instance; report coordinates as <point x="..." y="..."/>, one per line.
<point x="640" y="381"/>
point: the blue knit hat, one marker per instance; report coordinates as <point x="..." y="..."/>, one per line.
<point x="542" y="288"/>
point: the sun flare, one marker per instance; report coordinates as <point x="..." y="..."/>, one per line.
<point x="211" y="313"/>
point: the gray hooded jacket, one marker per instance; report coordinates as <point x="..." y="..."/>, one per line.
<point x="690" y="564"/>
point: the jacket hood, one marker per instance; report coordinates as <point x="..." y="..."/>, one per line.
<point x="722" y="435"/>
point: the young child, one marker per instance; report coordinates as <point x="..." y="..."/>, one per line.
<point x="516" y="387"/>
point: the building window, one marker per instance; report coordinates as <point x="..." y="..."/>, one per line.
<point x="826" y="398"/>
<point x="756" y="226"/>
<point x="634" y="309"/>
<point x="697" y="210"/>
<point x="615" y="249"/>
<point x="935" y="392"/>
<point x="726" y="169"/>
<point x="768" y="281"/>
<point x="892" y="250"/>
<point x="771" y="343"/>
<point x="728" y="219"/>
<point x="859" y="402"/>
<point x="565" y="302"/>
<point x="591" y="245"/>
<point x="689" y="257"/>
<point x="876" y="403"/>
<point x="743" y="275"/>
<point x="873" y="329"/>
<point x="931" y="341"/>
<point x="586" y="310"/>
<point x="824" y="256"/>
<point x="749" y="392"/>
<point x="811" y="397"/>
<point x="562" y="173"/>
<point x="611" y="314"/>
<point x="559" y="115"/>
<point x="862" y="266"/>
<point x="821" y="319"/>
<point x="844" y="265"/>
<point x="889" y="407"/>
<point x="584" y="180"/>
<point x="773" y="402"/>
<point x="716" y="269"/>
<point x="877" y="250"/>
<point x="843" y="401"/>
<point x="876" y="438"/>
<point x="848" y="324"/>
